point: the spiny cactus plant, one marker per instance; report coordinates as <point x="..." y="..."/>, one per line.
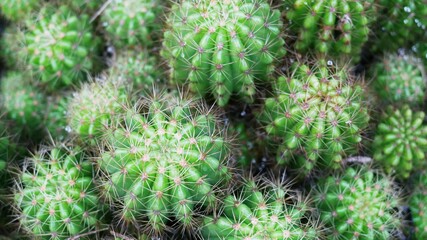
<point x="400" y="79"/>
<point x="223" y="47"/>
<point x="164" y="163"/>
<point x="94" y="108"/>
<point x="260" y="210"/>
<point x="18" y="10"/>
<point x="400" y="141"/>
<point x="317" y="116"/>
<point x="56" y="117"/>
<point x="132" y="22"/>
<point x="418" y="206"/>
<point x="57" y="197"/>
<point x="11" y="41"/>
<point x="330" y="27"/>
<point x="359" y="203"/>
<point x="60" y="47"/>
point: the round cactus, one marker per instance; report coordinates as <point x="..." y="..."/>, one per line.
<point x="330" y="27"/>
<point x="11" y="41"/>
<point x="400" y="79"/>
<point x="132" y="22"/>
<point x="223" y="47"/>
<point x="317" y="115"/>
<point x="359" y="203"/>
<point x="60" y="47"/>
<point x="164" y="163"/>
<point x="57" y="197"/>
<point x="400" y="142"/>
<point x="418" y="206"/>
<point x="18" y="10"/>
<point x="260" y="211"/>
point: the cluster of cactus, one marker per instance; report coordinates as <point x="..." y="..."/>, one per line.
<point x="418" y="206"/>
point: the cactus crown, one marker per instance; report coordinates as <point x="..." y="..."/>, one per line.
<point x="317" y="114"/>
<point x="223" y="47"/>
<point x="418" y="205"/>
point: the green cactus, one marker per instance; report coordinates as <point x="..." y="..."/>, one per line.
<point x="400" y="80"/>
<point x="18" y="10"/>
<point x="56" y="117"/>
<point x="94" y="108"/>
<point x="11" y="41"/>
<point x="418" y="204"/>
<point x="400" y="142"/>
<point x="164" y="163"/>
<point x="260" y="211"/>
<point x="60" y="47"/>
<point x="317" y="116"/>
<point x="57" y="196"/>
<point x="359" y="203"/>
<point x="132" y="22"/>
<point x="223" y="47"/>
<point x="332" y="27"/>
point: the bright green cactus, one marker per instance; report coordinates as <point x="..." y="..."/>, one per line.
<point x="132" y="22"/>
<point x="333" y="27"/>
<point x="57" y="196"/>
<point x="418" y="206"/>
<point x="18" y="10"/>
<point x="400" y="141"/>
<point x="223" y="47"/>
<point x="11" y="41"/>
<point x="359" y="203"/>
<point x="60" y="47"/>
<point x="400" y="79"/>
<point x="165" y="163"/>
<point x="56" y="117"/>
<point x="317" y="114"/>
<point x="94" y="108"/>
<point x="260" y="211"/>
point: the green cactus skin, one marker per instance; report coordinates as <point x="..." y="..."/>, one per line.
<point x="399" y="80"/>
<point x="56" y="117"/>
<point x="132" y="22"/>
<point x="94" y="108"/>
<point x="11" y="41"/>
<point x="417" y="204"/>
<point x="223" y="47"/>
<point x="165" y="163"/>
<point x="58" y="197"/>
<point x="332" y="27"/>
<point x="259" y="212"/>
<point x="400" y="142"/>
<point x="359" y="203"/>
<point x="60" y="47"/>
<point x="18" y="10"/>
<point x="317" y="115"/>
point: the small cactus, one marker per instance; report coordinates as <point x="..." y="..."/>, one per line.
<point x="11" y="41"/>
<point x="399" y="80"/>
<point x="18" y="10"/>
<point x="317" y="116"/>
<point x="57" y="197"/>
<point x="418" y="206"/>
<point x="223" y="47"/>
<point x="164" y="163"/>
<point x="400" y="142"/>
<point x="359" y="203"/>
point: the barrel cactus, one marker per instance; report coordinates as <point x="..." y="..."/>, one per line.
<point x="359" y="203"/>
<point x="18" y="10"/>
<point x="316" y="115"/>
<point x="417" y="205"/>
<point x="60" y="47"/>
<point x="400" y="79"/>
<point x="332" y="27"/>
<point x="223" y="47"/>
<point x="260" y="211"/>
<point x="57" y="197"/>
<point x="164" y="163"/>
<point x="132" y="22"/>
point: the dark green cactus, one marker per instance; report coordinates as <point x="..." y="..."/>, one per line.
<point x="223" y="47"/>
<point x="359" y="203"/>
<point x="317" y="116"/>
<point x="18" y="10"/>
<point x="400" y="141"/>
<point x="418" y="206"/>
<point x="57" y="196"/>
<point x="164" y="163"/>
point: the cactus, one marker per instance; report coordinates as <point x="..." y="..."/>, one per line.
<point x="132" y="22"/>
<point x="248" y="144"/>
<point x="60" y="47"/>
<point x="11" y="41"/>
<point x="400" y="79"/>
<point x="417" y="204"/>
<point x="317" y="115"/>
<point x="164" y="163"/>
<point x="56" y="118"/>
<point x="359" y="203"/>
<point x="18" y="10"/>
<point x="400" y="142"/>
<point x="260" y="211"/>
<point x="223" y="47"/>
<point x="336" y="28"/>
<point x="57" y="197"/>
